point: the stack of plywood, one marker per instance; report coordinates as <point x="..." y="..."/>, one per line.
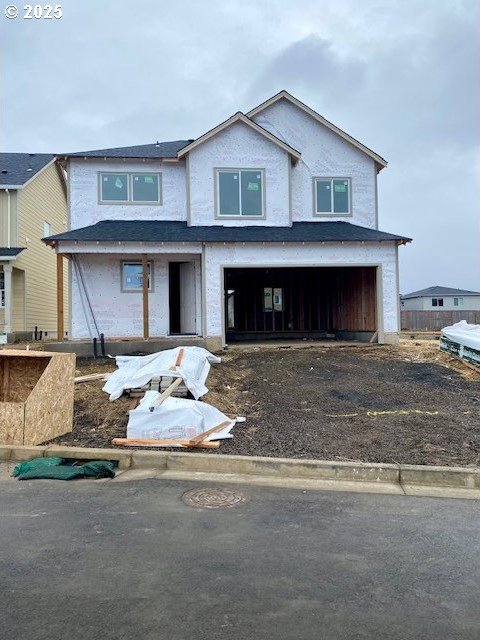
<point x="36" y="396"/>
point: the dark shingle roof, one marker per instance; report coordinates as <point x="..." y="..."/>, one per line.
<point x="18" y="168"/>
<point x="10" y="252"/>
<point x="439" y="291"/>
<point x="155" y="150"/>
<point x="166" y="231"/>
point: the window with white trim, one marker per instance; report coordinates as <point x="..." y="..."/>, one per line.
<point x="132" y="276"/>
<point x="130" y="188"/>
<point x="332" y="196"/>
<point x="437" y="302"/>
<point x="240" y="192"/>
<point x="47" y="229"/>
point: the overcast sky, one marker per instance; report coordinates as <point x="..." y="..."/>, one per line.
<point x="402" y="76"/>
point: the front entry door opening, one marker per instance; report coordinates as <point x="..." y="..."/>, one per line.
<point x="182" y="294"/>
<point x="300" y="302"/>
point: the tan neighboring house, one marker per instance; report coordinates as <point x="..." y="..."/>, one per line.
<point x="33" y="204"/>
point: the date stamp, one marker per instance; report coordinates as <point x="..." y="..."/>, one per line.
<point x="34" y="11"/>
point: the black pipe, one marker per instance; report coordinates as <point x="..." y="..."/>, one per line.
<point x="102" y="344"/>
<point x="36" y="332"/>
<point x="94" y="347"/>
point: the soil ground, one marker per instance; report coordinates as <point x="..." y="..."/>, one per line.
<point x="404" y="404"/>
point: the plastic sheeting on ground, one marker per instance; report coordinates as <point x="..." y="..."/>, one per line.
<point x="462" y="339"/>
<point x="177" y="418"/>
<point x="137" y="371"/>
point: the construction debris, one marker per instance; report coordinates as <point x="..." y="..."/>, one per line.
<point x="92" y="376"/>
<point x="191" y="364"/>
<point x="160" y="420"/>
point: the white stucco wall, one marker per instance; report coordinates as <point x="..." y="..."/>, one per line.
<point x="309" y="254"/>
<point x="83" y="192"/>
<point x="118" y="313"/>
<point x="239" y="147"/>
<point x="325" y="154"/>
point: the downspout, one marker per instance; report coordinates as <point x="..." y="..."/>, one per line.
<point x="9" y="224"/>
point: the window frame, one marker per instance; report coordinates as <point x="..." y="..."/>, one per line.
<point x="50" y="229"/>
<point x="332" y="213"/>
<point x="437" y="302"/>
<point x="139" y="263"/>
<point x="240" y="216"/>
<point x="458" y="301"/>
<point x="130" y="175"/>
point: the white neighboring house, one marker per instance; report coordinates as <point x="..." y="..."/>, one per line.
<point x="441" y="299"/>
<point x="264" y="227"/>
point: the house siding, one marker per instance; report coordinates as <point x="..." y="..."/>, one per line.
<point x="324" y="153"/>
<point x="424" y="303"/>
<point x="4" y="240"/>
<point x="43" y="199"/>
<point x="239" y="147"/>
<point x="86" y="210"/>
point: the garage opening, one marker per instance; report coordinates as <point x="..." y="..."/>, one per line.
<point x="300" y="302"/>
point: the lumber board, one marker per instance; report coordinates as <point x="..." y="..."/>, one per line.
<point x="167" y="393"/>
<point x="179" y="359"/>
<point x="201" y="436"/>
<point x="150" y="442"/>
<point x="92" y="376"/>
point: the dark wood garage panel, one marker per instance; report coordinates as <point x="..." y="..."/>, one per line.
<point x="315" y="301"/>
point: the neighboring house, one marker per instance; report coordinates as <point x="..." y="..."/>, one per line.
<point x="33" y="204"/>
<point x="265" y="226"/>
<point x="441" y="299"/>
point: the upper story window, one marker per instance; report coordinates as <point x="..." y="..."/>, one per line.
<point x="437" y="302"/>
<point x="130" y="188"/>
<point x="458" y="302"/>
<point x="240" y="192"/>
<point x="332" y="196"/>
<point x="47" y="229"/>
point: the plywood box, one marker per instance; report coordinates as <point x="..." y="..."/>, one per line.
<point x="36" y="396"/>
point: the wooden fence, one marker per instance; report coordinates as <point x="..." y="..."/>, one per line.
<point x="436" y="320"/>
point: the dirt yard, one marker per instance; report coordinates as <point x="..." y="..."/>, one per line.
<point x="409" y="404"/>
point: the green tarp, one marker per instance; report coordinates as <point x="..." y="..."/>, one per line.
<point x="59" y="469"/>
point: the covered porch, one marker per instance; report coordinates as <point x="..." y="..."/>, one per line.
<point x="122" y="294"/>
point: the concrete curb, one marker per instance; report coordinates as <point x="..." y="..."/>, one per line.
<point x="408" y="479"/>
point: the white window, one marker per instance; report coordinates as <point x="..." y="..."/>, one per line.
<point x="458" y="302"/>
<point x="2" y="290"/>
<point x="332" y="196"/>
<point x="47" y="229"/>
<point x="437" y="302"/>
<point x="130" y="188"/>
<point x="132" y="276"/>
<point x="240" y="192"/>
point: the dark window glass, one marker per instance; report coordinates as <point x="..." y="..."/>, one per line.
<point x="340" y="196"/>
<point x="229" y="193"/>
<point x="114" y="187"/>
<point x="440" y="302"/>
<point x="434" y="302"/>
<point x="145" y="187"/>
<point x="324" y="196"/>
<point x="251" y="190"/>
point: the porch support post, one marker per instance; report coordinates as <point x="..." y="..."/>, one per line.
<point x="60" y="303"/>
<point x="145" y="296"/>
<point x="7" y="271"/>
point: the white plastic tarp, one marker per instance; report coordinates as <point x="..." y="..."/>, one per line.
<point x="137" y="371"/>
<point x="178" y="419"/>
<point x="467" y="335"/>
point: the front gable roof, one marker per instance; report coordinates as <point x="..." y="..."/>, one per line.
<point x="284" y="95"/>
<point x="241" y="117"/>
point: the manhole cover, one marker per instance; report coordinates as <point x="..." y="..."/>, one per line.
<point x="208" y="498"/>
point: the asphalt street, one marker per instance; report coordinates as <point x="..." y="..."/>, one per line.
<point x="86" y="559"/>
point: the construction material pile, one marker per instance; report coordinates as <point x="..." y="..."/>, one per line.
<point x="161" y="420"/>
<point x="462" y="340"/>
